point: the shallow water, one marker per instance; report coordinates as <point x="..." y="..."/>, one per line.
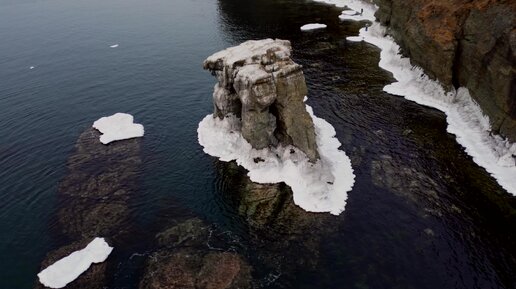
<point x="421" y="214"/>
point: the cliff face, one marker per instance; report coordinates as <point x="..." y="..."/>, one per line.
<point x="469" y="43"/>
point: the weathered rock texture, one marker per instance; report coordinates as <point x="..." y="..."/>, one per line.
<point x="259" y="82"/>
<point x="462" y="43"/>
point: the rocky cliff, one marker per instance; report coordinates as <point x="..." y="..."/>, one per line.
<point x="462" y="43"/>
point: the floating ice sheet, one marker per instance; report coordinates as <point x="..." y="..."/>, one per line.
<point x="312" y="26"/>
<point x="119" y="126"/>
<point x="65" y="270"/>
<point x="317" y="187"/>
<point x="465" y="118"/>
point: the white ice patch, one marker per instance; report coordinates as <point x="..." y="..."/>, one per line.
<point x="465" y="118"/>
<point x="319" y="187"/>
<point x="119" y="126"/>
<point x="114" y="46"/>
<point x="349" y="12"/>
<point x="64" y="271"/>
<point x="312" y="26"/>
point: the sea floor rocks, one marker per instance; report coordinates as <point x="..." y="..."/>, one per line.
<point x="187" y="259"/>
<point x="94" y="198"/>
<point x="100" y="181"/>
<point x="188" y="268"/>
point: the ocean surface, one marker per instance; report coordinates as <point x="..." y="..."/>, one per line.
<point x="422" y="214"/>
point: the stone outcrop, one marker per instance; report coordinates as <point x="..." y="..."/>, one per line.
<point x="186" y="259"/>
<point x="462" y="43"/>
<point x="259" y="82"/>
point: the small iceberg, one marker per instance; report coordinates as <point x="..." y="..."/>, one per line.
<point x="114" y="46"/>
<point x="119" y="126"/>
<point x="64" y="271"/>
<point x="349" y="12"/>
<point x="312" y="26"/>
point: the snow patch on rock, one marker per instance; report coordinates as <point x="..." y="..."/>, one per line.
<point x="65" y="270"/>
<point x="119" y="126"/>
<point x="317" y="187"/>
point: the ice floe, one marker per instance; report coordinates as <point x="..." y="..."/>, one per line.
<point x="312" y="26"/>
<point x="319" y="187"/>
<point x="465" y="118"/>
<point x="349" y="12"/>
<point x="114" y="46"/>
<point x="65" y="270"/>
<point x="119" y="126"/>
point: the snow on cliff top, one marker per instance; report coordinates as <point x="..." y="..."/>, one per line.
<point x="119" y="126"/>
<point x="248" y="52"/>
<point x="64" y="271"/>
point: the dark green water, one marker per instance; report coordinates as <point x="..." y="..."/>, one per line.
<point x="421" y="214"/>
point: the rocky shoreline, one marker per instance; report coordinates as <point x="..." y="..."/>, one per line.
<point x="462" y="43"/>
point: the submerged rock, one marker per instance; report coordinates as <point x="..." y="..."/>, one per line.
<point x="276" y="222"/>
<point x="185" y="259"/>
<point x="94" y="196"/>
<point x="188" y="268"/>
<point x="259" y="82"/>
<point x="100" y="181"/>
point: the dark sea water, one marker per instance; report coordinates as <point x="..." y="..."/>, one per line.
<point x="433" y="219"/>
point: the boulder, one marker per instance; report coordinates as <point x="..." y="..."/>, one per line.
<point x="262" y="85"/>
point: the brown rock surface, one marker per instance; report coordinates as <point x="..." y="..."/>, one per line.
<point x="188" y="268"/>
<point x="187" y="259"/>
<point x="462" y="43"/>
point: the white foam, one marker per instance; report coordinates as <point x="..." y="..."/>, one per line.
<point x="465" y="118"/>
<point x="319" y="187"/>
<point x="65" y="270"/>
<point x="118" y="126"/>
<point x="114" y="46"/>
<point x="312" y="26"/>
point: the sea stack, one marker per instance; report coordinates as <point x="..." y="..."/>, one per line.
<point x="259" y="83"/>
